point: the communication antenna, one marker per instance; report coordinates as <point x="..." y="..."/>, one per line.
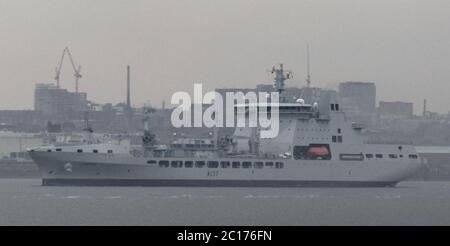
<point x="308" y="67"/>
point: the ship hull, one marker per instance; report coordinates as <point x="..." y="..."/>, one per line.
<point x="213" y="183"/>
<point x="87" y="169"/>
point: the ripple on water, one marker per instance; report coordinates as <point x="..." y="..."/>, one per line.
<point x="113" y="197"/>
<point x="71" y="197"/>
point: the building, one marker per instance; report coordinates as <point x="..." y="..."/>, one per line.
<point x="395" y="109"/>
<point x="359" y="94"/>
<point x="21" y="120"/>
<point x="51" y="100"/>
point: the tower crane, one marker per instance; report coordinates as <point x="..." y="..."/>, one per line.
<point x="58" y="68"/>
<point x="76" y="70"/>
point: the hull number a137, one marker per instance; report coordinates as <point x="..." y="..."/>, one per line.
<point x="212" y="173"/>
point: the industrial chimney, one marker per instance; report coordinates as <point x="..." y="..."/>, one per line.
<point x="128" y="87"/>
<point x="424" y="107"/>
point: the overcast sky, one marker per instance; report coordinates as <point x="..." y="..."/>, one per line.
<point x="401" y="45"/>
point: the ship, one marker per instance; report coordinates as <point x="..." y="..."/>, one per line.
<point x="317" y="146"/>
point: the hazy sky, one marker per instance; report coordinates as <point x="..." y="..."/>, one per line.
<point x="401" y="45"/>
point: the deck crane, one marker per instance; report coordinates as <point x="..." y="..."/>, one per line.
<point x="76" y="70"/>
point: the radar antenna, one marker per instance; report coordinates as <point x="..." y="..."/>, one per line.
<point x="280" y="77"/>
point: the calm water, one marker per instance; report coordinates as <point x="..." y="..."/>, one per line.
<point x="25" y="202"/>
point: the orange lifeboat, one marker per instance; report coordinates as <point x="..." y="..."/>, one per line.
<point x="318" y="151"/>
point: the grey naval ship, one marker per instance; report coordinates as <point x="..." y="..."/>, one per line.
<point x="316" y="146"/>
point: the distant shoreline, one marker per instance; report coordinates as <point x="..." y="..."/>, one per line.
<point x="25" y="170"/>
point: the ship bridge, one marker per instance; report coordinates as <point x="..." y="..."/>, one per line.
<point x="283" y="108"/>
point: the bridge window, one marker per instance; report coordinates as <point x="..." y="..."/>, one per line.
<point x="58" y="149"/>
<point x="378" y="156"/>
<point x="188" y="164"/>
<point x="95" y="151"/>
<point x="110" y="151"/>
<point x="79" y="150"/>
<point x="332" y="107"/>
<point x="213" y="164"/>
<point x="151" y="162"/>
<point x="269" y="164"/>
<point x="199" y="164"/>
<point x="163" y="163"/>
<point x="334" y="139"/>
<point x="393" y="156"/>
<point x="246" y="164"/>
<point x="224" y="164"/>
<point x="176" y="163"/>
<point x="339" y="138"/>
<point x="258" y="164"/>
<point x="279" y="165"/>
<point x="369" y="156"/>
<point x="412" y="156"/>
<point x="236" y="164"/>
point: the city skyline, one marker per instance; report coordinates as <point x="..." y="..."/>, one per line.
<point x="401" y="46"/>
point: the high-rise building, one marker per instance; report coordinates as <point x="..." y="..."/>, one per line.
<point x="361" y="95"/>
<point x="51" y="100"/>
<point x="395" y="109"/>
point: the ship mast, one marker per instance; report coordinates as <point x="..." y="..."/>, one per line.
<point x="306" y="92"/>
<point x="280" y="77"/>
<point x="308" y="68"/>
<point x="148" y="140"/>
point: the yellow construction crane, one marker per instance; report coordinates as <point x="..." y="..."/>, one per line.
<point x="76" y="70"/>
